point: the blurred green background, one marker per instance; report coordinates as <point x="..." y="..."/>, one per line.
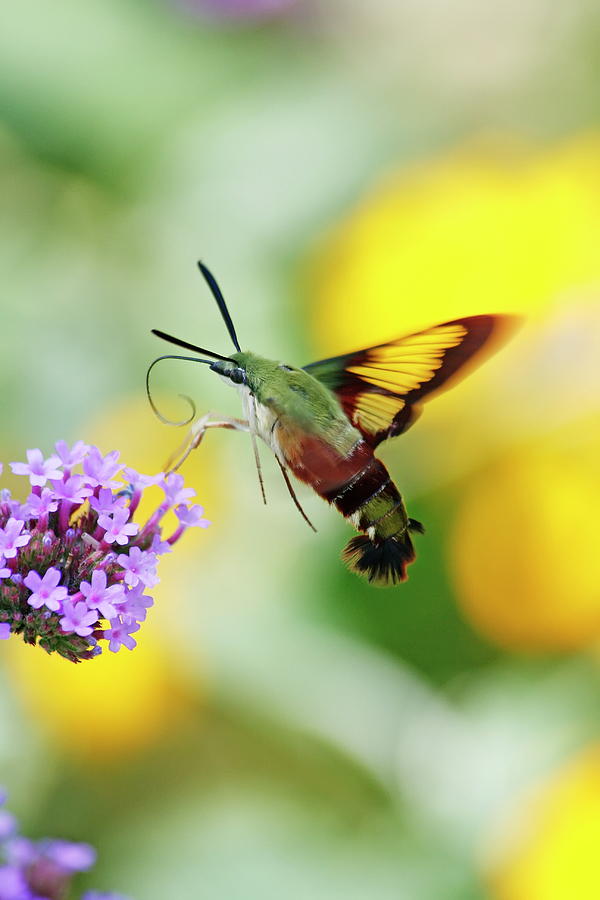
<point x="350" y="171"/>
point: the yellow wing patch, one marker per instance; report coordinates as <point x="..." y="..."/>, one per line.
<point x="380" y="387"/>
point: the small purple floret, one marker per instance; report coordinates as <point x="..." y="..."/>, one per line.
<point x="117" y="528"/>
<point x="191" y="517"/>
<point x="19" y="851"/>
<point x="78" y="618"/>
<point x="139" y="481"/>
<point x="99" y="596"/>
<point x="159" y="546"/>
<point x="38" y="505"/>
<point x="38" y="469"/>
<point x="45" y="591"/>
<point x="11" y="538"/>
<point x="101" y="469"/>
<point x="105" y="503"/>
<point x="69" y="856"/>
<point x="139" y="565"/>
<point x="175" y="491"/>
<point x="71" y="456"/>
<point x="136" y="604"/>
<point x="72" y="489"/>
<point x="119" y="634"/>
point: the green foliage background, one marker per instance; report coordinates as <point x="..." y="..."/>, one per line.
<point x="335" y="741"/>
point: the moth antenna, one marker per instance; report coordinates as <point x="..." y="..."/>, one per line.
<point x="258" y="466"/>
<point x="187" y="346"/>
<point x="155" y="409"/>
<point x="216" y="292"/>
<point x="255" y="449"/>
<point x="293" y="494"/>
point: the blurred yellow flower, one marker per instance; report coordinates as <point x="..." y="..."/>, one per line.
<point x="120" y="703"/>
<point x="551" y="850"/>
<point x="488" y="228"/>
<point x="114" y="705"/>
<point x="524" y="548"/>
<point x="493" y="227"/>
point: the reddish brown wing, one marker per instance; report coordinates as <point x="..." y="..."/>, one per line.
<point x="381" y="388"/>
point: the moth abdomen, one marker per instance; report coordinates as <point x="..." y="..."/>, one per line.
<point x="372" y="502"/>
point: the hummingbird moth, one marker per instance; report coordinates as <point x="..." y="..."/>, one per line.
<point x="324" y="421"/>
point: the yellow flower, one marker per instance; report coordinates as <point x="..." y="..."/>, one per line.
<point x="551" y="852"/>
<point x="495" y="228"/>
<point x="113" y="705"/>
<point x="524" y="548"/>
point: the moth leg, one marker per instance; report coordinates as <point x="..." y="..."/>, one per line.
<point x="196" y="433"/>
<point x="293" y="494"/>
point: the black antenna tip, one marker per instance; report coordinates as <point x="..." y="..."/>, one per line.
<point x="220" y="300"/>
<point x="207" y="274"/>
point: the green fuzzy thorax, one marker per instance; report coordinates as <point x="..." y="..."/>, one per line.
<point x="292" y="393"/>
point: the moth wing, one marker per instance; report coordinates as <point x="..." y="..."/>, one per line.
<point x="381" y="388"/>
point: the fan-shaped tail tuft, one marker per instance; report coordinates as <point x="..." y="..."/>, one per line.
<point x="384" y="561"/>
<point x="417" y="527"/>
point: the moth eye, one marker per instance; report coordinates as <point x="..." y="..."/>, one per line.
<point x="237" y="376"/>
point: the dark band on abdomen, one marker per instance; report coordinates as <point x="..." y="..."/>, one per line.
<point x="362" y="487"/>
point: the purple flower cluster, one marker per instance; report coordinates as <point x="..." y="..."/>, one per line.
<point x="41" y="870"/>
<point x="74" y="565"/>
